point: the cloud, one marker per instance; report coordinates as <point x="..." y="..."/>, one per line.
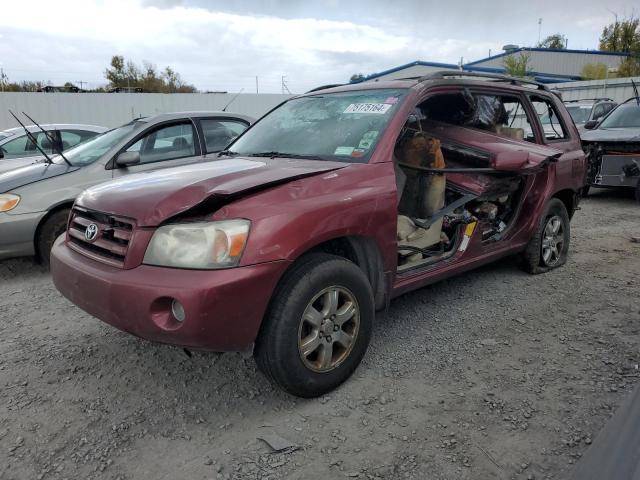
<point x="224" y="45"/>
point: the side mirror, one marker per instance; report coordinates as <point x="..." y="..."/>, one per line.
<point x="591" y="124"/>
<point x="127" y="159"/>
<point x="511" y="161"/>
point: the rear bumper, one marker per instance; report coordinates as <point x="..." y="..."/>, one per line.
<point x="223" y="308"/>
<point x="17" y="234"/>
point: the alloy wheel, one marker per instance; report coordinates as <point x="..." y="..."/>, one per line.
<point x="552" y="241"/>
<point x="328" y="329"/>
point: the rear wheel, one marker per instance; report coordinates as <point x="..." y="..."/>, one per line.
<point x="549" y="246"/>
<point x="52" y="228"/>
<point x="318" y="326"/>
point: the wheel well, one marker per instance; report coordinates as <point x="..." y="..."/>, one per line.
<point x="54" y="210"/>
<point x="568" y="197"/>
<point x="363" y="252"/>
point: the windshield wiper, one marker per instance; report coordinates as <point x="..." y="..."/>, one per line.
<point x="32" y="139"/>
<point x="51" y="140"/>
<point x="228" y="153"/>
<point x="284" y="155"/>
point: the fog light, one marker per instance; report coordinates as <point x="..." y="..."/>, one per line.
<point x="177" y="310"/>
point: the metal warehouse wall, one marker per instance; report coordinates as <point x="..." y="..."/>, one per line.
<point x="113" y="109"/>
<point x="558" y="63"/>
<point x="618" y="89"/>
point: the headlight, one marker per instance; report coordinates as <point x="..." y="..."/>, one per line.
<point x="8" y="201"/>
<point x="207" y="245"/>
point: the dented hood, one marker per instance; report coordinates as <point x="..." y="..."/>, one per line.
<point x="152" y="197"/>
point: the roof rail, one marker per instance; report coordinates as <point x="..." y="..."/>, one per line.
<point x="491" y="76"/>
<point x="600" y="99"/>
<point x="323" y="87"/>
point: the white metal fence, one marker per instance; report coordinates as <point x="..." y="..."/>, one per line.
<point x="618" y="89"/>
<point x="113" y="109"/>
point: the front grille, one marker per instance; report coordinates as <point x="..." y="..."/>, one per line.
<point x="111" y="241"/>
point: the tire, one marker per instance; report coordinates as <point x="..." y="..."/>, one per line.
<point x="548" y="249"/>
<point x="300" y="318"/>
<point x="51" y="229"/>
<point x="585" y="191"/>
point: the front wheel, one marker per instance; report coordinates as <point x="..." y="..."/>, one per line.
<point x="318" y="326"/>
<point x="52" y="228"/>
<point x="549" y="246"/>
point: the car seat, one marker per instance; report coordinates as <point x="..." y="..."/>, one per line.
<point x="180" y="143"/>
<point x="423" y="194"/>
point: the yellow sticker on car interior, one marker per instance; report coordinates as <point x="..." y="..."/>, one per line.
<point x="468" y="232"/>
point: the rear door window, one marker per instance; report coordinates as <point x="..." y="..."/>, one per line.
<point x="552" y="125"/>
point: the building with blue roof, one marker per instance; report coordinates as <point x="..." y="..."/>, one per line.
<point x="546" y="65"/>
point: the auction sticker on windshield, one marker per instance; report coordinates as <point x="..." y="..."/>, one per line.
<point x="377" y="108"/>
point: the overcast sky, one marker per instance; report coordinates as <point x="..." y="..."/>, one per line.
<point x="223" y="45"/>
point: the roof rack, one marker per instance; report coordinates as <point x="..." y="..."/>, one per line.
<point x="601" y="99"/>
<point x="442" y="74"/>
<point x="323" y="87"/>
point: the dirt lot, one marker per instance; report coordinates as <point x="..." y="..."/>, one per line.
<point x="494" y="374"/>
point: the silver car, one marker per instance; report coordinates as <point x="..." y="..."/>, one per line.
<point x="16" y="150"/>
<point x="35" y="199"/>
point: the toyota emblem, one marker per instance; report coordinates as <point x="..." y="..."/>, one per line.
<point x="91" y="232"/>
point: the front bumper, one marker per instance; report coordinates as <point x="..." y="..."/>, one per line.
<point x="224" y="308"/>
<point x="17" y="234"/>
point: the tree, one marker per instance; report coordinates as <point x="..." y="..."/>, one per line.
<point x="595" y="71"/>
<point x="623" y="36"/>
<point x="127" y="74"/>
<point x="516" y="66"/>
<point x="557" y="41"/>
<point x="356" y="77"/>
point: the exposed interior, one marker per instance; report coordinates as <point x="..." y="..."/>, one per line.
<point x="436" y="217"/>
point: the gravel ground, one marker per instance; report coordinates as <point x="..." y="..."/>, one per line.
<point x="493" y="374"/>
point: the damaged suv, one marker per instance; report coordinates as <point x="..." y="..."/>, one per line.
<point x="323" y="211"/>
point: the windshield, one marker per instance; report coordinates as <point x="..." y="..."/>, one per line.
<point x="88" y="152"/>
<point x="624" y="116"/>
<point x="579" y="113"/>
<point x="339" y="126"/>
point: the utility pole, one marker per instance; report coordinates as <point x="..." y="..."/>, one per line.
<point x="284" y="85"/>
<point x="81" y="82"/>
<point x="256" y="83"/>
<point x="539" y="29"/>
<point x="1" y="77"/>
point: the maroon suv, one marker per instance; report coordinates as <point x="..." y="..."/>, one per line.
<point x="323" y="211"/>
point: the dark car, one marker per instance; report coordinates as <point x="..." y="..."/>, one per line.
<point x="613" y="148"/>
<point x="324" y="210"/>
<point x="588" y="110"/>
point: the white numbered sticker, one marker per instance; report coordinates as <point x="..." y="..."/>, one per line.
<point x="378" y="108"/>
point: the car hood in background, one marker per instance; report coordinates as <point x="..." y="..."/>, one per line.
<point x="152" y="197"/>
<point x="33" y="172"/>
<point x="611" y="135"/>
<point x="7" y="164"/>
